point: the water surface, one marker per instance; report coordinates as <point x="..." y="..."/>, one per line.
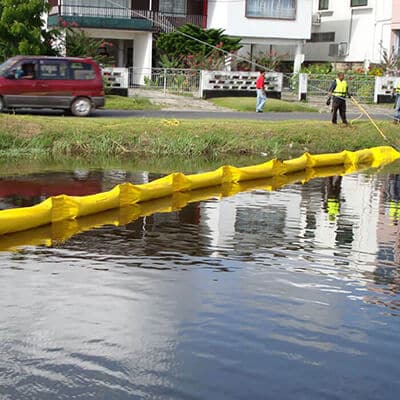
<point x="263" y="295"/>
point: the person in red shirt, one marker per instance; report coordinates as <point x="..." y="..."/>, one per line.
<point x="261" y="95"/>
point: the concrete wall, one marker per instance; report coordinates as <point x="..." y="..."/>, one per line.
<point x="231" y="16"/>
<point x="366" y="30"/>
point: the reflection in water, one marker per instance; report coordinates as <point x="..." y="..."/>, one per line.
<point x="281" y="295"/>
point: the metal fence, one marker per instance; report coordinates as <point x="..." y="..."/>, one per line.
<point x="181" y="81"/>
<point x="171" y="80"/>
<point x="290" y="86"/>
<point x="360" y="85"/>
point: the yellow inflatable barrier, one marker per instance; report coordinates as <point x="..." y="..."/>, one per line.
<point x="184" y="188"/>
<point x="62" y="230"/>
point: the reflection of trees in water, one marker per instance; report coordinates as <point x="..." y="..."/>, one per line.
<point x="175" y="232"/>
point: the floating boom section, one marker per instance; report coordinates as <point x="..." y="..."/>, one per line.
<point x="182" y="189"/>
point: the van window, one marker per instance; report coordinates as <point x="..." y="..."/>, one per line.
<point x="82" y="71"/>
<point x="53" y="70"/>
<point x="25" y="70"/>
<point x="4" y="68"/>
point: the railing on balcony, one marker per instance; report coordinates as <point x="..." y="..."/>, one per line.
<point x="165" y="23"/>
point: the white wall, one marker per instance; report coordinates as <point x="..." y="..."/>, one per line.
<point x="142" y="43"/>
<point x="230" y="15"/>
<point x="366" y="30"/>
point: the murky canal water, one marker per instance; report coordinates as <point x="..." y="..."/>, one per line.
<point x="291" y="294"/>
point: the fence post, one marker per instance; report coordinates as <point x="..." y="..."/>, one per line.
<point x="165" y="81"/>
<point x="303" y="86"/>
<point x="201" y="84"/>
<point x="378" y="84"/>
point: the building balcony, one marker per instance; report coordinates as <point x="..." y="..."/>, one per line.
<point x="120" y="18"/>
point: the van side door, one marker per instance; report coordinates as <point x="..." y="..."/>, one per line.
<point x="54" y="83"/>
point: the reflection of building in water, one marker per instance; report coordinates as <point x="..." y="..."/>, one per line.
<point x="388" y="226"/>
<point x="351" y="235"/>
<point x="297" y="217"/>
<point x="336" y="217"/>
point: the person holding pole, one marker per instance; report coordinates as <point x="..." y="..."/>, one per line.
<point x="339" y="90"/>
<point x="261" y="95"/>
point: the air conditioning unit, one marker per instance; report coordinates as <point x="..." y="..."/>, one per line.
<point x="338" y="49"/>
<point x="342" y="49"/>
<point x="316" y="19"/>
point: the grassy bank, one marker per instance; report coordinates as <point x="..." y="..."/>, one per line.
<point x="32" y="136"/>
<point x="272" y="105"/>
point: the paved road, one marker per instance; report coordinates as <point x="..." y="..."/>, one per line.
<point x="267" y="116"/>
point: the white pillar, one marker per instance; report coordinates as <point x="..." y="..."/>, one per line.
<point x="121" y="52"/>
<point x="142" y="56"/>
<point x="303" y="85"/>
<point x="299" y="58"/>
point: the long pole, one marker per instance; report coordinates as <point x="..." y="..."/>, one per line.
<point x="364" y="111"/>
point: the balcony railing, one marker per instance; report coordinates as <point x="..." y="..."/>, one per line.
<point x="166" y="23"/>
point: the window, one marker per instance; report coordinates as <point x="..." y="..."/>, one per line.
<point x="173" y="7"/>
<point x="100" y="3"/>
<point x="53" y="70"/>
<point x="322" y="37"/>
<point x="280" y="9"/>
<point x="98" y="8"/>
<point x="323" y="5"/>
<point x="4" y="68"/>
<point x="25" y="70"/>
<point x="82" y="71"/>
<point x="358" y="3"/>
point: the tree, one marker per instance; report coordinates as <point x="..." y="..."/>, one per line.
<point x="22" y="29"/>
<point x="78" y="43"/>
<point x="178" y="45"/>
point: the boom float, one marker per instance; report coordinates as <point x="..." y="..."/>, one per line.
<point x="132" y="201"/>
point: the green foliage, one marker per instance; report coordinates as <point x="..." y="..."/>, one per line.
<point x="317" y="69"/>
<point x="178" y="45"/>
<point x="22" y="28"/>
<point x="170" y="62"/>
<point x="271" y="60"/>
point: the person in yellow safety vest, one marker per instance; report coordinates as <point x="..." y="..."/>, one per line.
<point x="339" y="90"/>
<point x="397" y="103"/>
<point x="333" y="209"/>
<point x="393" y="193"/>
<point x="332" y="199"/>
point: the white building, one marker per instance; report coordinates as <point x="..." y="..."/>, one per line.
<point x="127" y="26"/>
<point x="280" y="26"/>
<point x="350" y="31"/>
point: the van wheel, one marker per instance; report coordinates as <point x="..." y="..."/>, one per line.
<point x="81" y="107"/>
<point x="2" y="106"/>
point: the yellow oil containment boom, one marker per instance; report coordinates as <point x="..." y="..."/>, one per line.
<point x="130" y="201"/>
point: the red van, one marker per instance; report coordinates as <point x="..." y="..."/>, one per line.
<point x="74" y="84"/>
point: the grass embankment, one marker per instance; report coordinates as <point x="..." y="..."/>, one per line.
<point x="272" y="105"/>
<point x="129" y="103"/>
<point x="37" y="136"/>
